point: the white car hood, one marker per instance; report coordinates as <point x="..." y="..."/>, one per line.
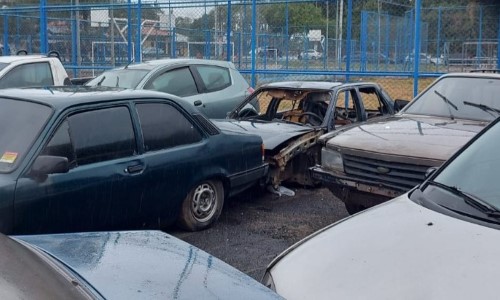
<point x="398" y="250"/>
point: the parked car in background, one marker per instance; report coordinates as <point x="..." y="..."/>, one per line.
<point x="214" y="87"/>
<point x="32" y="71"/>
<point x="291" y="116"/>
<point x="373" y="162"/>
<point x="91" y="159"/>
<point x="310" y="54"/>
<point x="438" y="241"/>
<point x="424" y="58"/>
<point x="117" y="265"/>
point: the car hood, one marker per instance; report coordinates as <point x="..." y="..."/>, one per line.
<point x="397" y="250"/>
<point x="272" y="133"/>
<point x="415" y="136"/>
<point x="148" y="265"/>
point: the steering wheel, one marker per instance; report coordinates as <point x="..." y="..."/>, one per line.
<point x="314" y="117"/>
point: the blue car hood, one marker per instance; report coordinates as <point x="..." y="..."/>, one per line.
<point x="148" y="265"/>
<point x="272" y="133"/>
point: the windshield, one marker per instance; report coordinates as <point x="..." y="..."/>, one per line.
<point x="21" y="122"/>
<point x="3" y="65"/>
<point x="456" y="91"/>
<point x="476" y="170"/>
<point x="124" y="78"/>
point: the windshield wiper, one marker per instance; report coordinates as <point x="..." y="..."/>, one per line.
<point x="100" y="81"/>
<point x="448" y="104"/>
<point x="484" y="107"/>
<point x="483" y="206"/>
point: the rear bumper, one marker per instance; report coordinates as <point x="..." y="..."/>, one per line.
<point x="243" y="180"/>
<point x="341" y="181"/>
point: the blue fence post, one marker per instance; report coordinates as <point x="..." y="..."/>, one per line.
<point x="438" y="46"/>
<point x="498" y="45"/>
<point x="349" y="36"/>
<point x="73" y="42"/>
<point x="416" y="55"/>
<point x="173" y="42"/>
<point x="138" y="47"/>
<point x="130" y="44"/>
<point x="228" y="32"/>
<point x="254" y="36"/>
<point x="287" y="33"/>
<point x="478" y="47"/>
<point x="43" y="27"/>
<point x="6" y="50"/>
<point x="364" y="39"/>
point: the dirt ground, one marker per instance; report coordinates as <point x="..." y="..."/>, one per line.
<point x="254" y="228"/>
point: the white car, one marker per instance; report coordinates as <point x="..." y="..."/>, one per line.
<point x="439" y="241"/>
<point x="310" y="54"/>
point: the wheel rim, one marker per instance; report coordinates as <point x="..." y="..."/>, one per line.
<point x="204" y="202"/>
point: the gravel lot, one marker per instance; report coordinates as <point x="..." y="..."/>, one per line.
<point x="254" y="227"/>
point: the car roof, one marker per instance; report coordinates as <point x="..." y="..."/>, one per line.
<point x="318" y="85"/>
<point x="65" y="96"/>
<point x="14" y="58"/>
<point x="157" y="63"/>
<point x="476" y="73"/>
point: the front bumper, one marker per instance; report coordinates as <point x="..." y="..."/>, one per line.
<point x="341" y="181"/>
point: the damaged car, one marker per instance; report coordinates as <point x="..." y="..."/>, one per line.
<point x="370" y="163"/>
<point x="291" y="116"/>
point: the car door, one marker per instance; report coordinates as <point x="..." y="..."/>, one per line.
<point x="99" y="191"/>
<point x="176" y="153"/>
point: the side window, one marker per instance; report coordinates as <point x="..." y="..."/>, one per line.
<point x="345" y="107"/>
<point x="163" y="126"/>
<point x="214" y="78"/>
<point x="60" y="144"/>
<point x="34" y="74"/>
<point x="102" y="134"/>
<point x="371" y="101"/>
<point x="179" y="82"/>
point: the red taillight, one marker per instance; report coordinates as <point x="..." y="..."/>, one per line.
<point x="250" y="89"/>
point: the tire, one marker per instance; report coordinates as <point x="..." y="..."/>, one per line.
<point x="202" y="206"/>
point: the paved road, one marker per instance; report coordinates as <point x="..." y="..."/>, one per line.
<point x="254" y="228"/>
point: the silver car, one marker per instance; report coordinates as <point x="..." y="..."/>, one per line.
<point x="214" y="87"/>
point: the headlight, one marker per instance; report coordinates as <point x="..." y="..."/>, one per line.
<point x="331" y="159"/>
<point x="267" y="280"/>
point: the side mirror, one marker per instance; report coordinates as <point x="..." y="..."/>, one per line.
<point x="430" y="171"/>
<point x="47" y="164"/>
<point x="400" y="103"/>
<point x="197" y="103"/>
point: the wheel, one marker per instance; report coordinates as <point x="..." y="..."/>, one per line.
<point x="202" y="206"/>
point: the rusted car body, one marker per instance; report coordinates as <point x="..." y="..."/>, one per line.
<point x="291" y="116"/>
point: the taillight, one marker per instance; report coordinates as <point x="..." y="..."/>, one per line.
<point x="262" y="151"/>
<point x="250" y="89"/>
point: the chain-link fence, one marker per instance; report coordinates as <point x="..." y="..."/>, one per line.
<point x="266" y="40"/>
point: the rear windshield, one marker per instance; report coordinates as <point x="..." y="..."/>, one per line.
<point x="123" y="78"/>
<point x="20" y="123"/>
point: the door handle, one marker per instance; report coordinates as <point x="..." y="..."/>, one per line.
<point x="134" y="169"/>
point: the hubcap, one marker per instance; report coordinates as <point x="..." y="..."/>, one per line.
<point x="204" y="202"/>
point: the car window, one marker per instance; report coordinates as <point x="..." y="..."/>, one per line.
<point x="345" y="107"/>
<point x="179" y="82"/>
<point x="20" y="122"/>
<point x="214" y="78"/>
<point x="124" y="78"/>
<point x="33" y="74"/>
<point x="454" y="92"/>
<point x="60" y="144"/>
<point x="371" y="101"/>
<point x="102" y="134"/>
<point x="163" y="126"/>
